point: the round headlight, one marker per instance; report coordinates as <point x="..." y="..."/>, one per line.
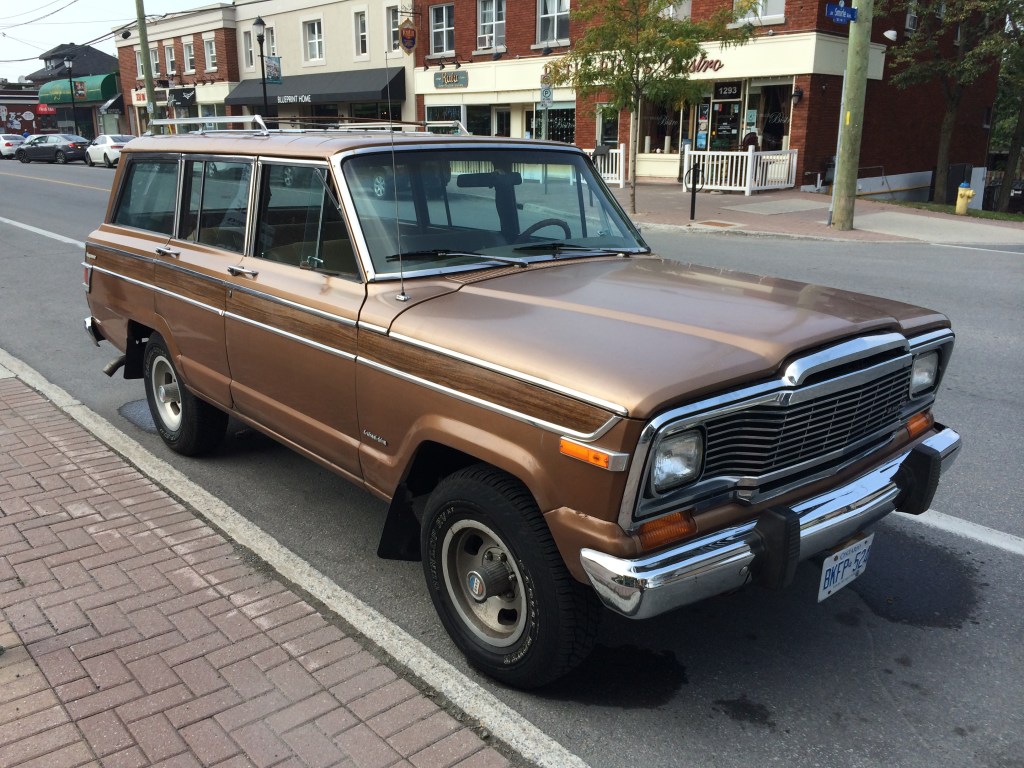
<point x="925" y="373"/>
<point x="677" y="460"/>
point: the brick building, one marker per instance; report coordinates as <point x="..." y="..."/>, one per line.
<point x="482" y="61"/>
<point x="195" y="62"/>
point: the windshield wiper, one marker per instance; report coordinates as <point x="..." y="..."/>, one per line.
<point x="443" y="253"/>
<point x="557" y="246"/>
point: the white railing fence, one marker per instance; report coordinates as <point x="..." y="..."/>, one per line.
<point x="609" y="163"/>
<point x="746" y="172"/>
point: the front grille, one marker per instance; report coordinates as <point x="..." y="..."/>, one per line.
<point x="768" y="438"/>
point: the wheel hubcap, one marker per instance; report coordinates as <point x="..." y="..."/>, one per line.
<point x="484" y="583"/>
<point x="167" y="393"/>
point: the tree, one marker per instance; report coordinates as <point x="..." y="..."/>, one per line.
<point x="1008" y="126"/>
<point x="930" y="53"/>
<point x="637" y="50"/>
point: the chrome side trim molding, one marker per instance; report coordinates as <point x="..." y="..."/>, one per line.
<point x="162" y="291"/>
<point x="488" y="405"/>
<point x="289" y="335"/>
<point x="518" y="375"/>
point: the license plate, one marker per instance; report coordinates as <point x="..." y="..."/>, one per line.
<point x="843" y="566"/>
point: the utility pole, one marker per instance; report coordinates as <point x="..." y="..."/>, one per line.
<point x="852" y="118"/>
<point x="147" y="61"/>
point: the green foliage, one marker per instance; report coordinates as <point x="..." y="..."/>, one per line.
<point x="635" y="49"/>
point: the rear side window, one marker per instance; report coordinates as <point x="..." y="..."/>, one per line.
<point x="148" y="196"/>
<point x="218" y="203"/>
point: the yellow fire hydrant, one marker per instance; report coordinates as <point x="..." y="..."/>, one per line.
<point x="963" y="196"/>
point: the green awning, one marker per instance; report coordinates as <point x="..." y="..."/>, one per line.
<point x="90" y="88"/>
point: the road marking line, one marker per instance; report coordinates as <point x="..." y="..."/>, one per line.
<point x="54" y="181"/>
<point x="975" y="248"/>
<point x="42" y="232"/>
<point x="968" y="530"/>
<point x="501" y="720"/>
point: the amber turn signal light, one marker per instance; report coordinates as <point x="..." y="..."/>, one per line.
<point x="585" y="453"/>
<point x="919" y="423"/>
<point x="666" y="529"/>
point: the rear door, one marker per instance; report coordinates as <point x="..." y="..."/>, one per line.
<point x="291" y="316"/>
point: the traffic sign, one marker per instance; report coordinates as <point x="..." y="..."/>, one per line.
<point x="547" y="95"/>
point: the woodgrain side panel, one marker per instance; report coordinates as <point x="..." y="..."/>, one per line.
<point x="307" y="325"/>
<point x="490" y="386"/>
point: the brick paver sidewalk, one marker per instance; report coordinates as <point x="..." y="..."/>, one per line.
<point x="135" y="634"/>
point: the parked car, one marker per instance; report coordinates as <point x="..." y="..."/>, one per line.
<point x="53" y="148"/>
<point x="106" y="149"/>
<point x="1016" y="204"/>
<point x="9" y="143"/>
<point x="557" y="418"/>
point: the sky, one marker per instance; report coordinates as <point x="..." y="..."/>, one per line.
<point x="40" y="25"/>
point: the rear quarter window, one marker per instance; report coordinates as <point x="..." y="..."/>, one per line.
<point x="148" y="196"/>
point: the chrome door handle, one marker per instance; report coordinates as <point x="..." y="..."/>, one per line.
<point x="165" y="251"/>
<point x="242" y="271"/>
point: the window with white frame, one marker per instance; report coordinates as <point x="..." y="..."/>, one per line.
<point x="172" y="66"/>
<point x="248" y="51"/>
<point x="359" y="24"/>
<point x="154" y="61"/>
<point x="490" y="16"/>
<point x="313" y="39"/>
<point x="210" y="48"/>
<point x="911" y="23"/>
<point x="762" y="11"/>
<point x="394" y="35"/>
<point x="189" y="51"/>
<point x="270" y="41"/>
<point x="442" y="28"/>
<point x="552" y="20"/>
<point x="138" y="65"/>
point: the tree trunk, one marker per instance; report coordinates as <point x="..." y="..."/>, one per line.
<point x="634" y="137"/>
<point x="945" y="142"/>
<point x="1012" y="160"/>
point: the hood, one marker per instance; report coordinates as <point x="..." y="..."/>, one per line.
<point x="645" y="333"/>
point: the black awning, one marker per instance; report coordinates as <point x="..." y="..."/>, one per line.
<point x="326" y="88"/>
<point x="114" y="106"/>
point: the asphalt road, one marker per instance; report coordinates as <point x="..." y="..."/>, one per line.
<point x="918" y="663"/>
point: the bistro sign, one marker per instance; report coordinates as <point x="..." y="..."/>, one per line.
<point x="458" y="78"/>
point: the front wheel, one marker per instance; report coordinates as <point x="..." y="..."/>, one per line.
<point x="22" y="157"/>
<point x="498" y="582"/>
<point x="187" y="425"/>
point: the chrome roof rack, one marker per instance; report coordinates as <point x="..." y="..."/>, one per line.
<point x="204" y="122"/>
<point x="305" y="124"/>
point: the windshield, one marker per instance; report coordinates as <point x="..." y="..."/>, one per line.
<point x="427" y="210"/>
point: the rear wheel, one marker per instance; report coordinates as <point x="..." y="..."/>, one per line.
<point x="187" y="425"/>
<point x="106" y="160"/>
<point x="60" y="157"/>
<point x="88" y="160"/>
<point x="498" y="582"/>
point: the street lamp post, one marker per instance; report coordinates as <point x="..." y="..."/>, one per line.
<point x="71" y="89"/>
<point x="261" y="27"/>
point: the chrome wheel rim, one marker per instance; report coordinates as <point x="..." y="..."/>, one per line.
<point x="166" y="393"/>
<point x="380" y="186"/>
<point x="500" y="619"/>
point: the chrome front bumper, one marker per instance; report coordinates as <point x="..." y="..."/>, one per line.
<point x="769" y="548"/>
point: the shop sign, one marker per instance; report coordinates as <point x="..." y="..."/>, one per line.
<point x="45" y="109"/>
<point x="181" y="97"/>
<point x="295" y="98"/>
<point x="407" y="35"/>
<point x="704" y="64"/>
<point x="139" y="97"/>
<point x="729" y="91"/>
<point x="458" y="78"/>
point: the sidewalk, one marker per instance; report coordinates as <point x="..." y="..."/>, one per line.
<point x="788" y="213"/>
<point x="134" y="634"/>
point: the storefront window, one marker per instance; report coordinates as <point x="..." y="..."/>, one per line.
<point x="478" y="119"/>
<point x="377" y="110"/>
<point x="556" y="124"/>
<point x="659" y="128"/>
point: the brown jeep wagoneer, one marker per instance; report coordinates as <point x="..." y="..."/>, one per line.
<point x="471" y="329"/>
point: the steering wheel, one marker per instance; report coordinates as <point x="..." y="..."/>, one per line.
<point x="541" y="224"/>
